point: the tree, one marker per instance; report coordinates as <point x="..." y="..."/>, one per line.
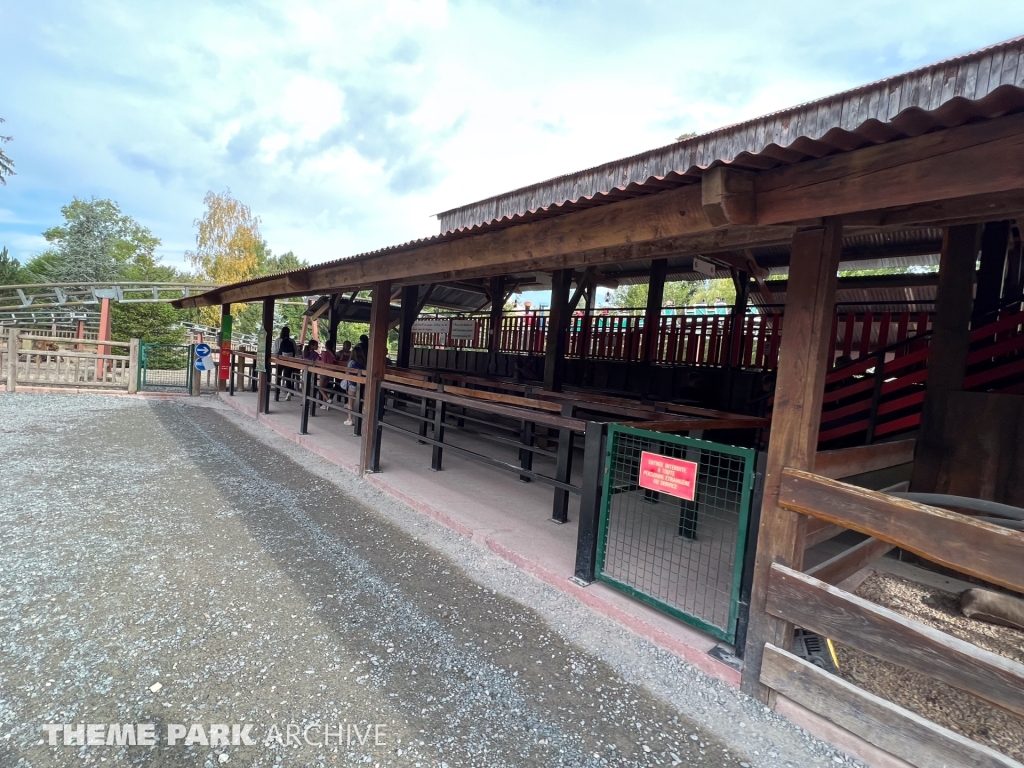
<point x="98" y="243"/>
<point x="6" y="164"/>
<point x="95" y="244"/>
<point x="228" y="243"/>
<point x="229" y="247"/>
<point x="11" y="271"/>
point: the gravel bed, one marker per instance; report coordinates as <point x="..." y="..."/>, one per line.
<point x="177" y="563"/>
<point x="940" y="703"/>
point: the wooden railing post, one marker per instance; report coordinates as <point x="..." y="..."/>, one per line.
<point x="133" y="367"/>
<point x="197" y="376"/>
<point x="380" y="309"/>
<point x="594" y="441"/>
<point x="803" y="365"/>
<point x="12" y="359"/>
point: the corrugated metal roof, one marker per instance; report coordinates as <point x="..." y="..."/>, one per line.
<point x="979" y="85"/>
<point x="982" y="85"/>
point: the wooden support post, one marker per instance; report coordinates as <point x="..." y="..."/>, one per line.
<point x="133" y="367"/>
<point x="375" y="361"/>
<point x="12" y="359"/>
<point x="104" y="335"/>
<point x="497" y="290"/>
<point x="410" y="294"/>
<point x="80" y="333"/>
<point x="803" y="363"/>
<point x="994" y="241"/>
<point x="305" y="328"/>
<point x="558" y="326"/>
<point x="264" y="376"/>
<point x="951" y="339"/>
<point x="333" y="318"/>
<point x="739" y="314"/>
<point x="652" y="313"/>
<point x="589" y="299"/>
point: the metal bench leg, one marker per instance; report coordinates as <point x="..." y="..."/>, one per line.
<point x="563" y="471"/>
<point x="525" y="456"/>
<point x="438" y="452"/>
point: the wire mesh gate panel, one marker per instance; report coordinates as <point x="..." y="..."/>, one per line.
<point x="681" y="556"/>
<point x="165" y="365"/>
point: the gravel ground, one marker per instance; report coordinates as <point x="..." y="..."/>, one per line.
<point x="172" y="563"/>
<point x="940" y="703"/>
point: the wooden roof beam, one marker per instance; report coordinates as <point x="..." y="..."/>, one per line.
<point x="935" y="177"/>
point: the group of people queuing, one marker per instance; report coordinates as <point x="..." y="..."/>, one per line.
<point x="348" y="356"/>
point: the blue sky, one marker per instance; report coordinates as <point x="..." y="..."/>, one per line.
<point x="346" y="125"/>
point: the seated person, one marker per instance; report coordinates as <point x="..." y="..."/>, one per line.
<point x="358" y="363"/>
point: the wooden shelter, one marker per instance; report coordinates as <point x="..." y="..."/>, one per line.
<point x="928" y="161"/>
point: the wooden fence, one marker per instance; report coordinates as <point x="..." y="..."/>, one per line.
<point x="682" y="338"/>
<point x="809" y="600"/>
<point x="52" y="361"/>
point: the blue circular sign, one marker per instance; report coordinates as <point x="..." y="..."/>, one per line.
<point x="202" y="350"/>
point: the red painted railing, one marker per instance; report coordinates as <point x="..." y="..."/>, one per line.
<point x="683" y="339"/>
<point x="883" y="394"/>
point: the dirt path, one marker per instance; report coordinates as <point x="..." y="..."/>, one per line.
<point x="168" y="564"/>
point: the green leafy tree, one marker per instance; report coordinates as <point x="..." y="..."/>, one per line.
<point x="95" y="244"/>
<point x="681" y="294"/>
<point x="6" y="164"/>
<point x="11" y="271"/>
<point x="155" y="322"/>
<point x="99" y="243"/>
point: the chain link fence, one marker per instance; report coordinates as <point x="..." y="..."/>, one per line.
<point x="680" y="548"/>
<point x="165" y="366"/>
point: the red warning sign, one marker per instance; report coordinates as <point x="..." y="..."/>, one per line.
<point x="675" y="477"/>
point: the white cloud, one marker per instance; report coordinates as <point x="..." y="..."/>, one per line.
<point x="345" y="125"/>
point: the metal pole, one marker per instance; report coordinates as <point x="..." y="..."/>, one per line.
<point x="594" y="441"/>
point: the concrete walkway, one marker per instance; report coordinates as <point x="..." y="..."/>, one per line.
<point x="492" y="507"/>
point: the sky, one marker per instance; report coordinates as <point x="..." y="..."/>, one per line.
<point x="346" y="126"/>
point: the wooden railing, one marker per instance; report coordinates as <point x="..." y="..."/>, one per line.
<point x="47" y="361"/>
<point x="882" y="394"/>
<point x="988" y="552"/>
<point x="683" y="336"/>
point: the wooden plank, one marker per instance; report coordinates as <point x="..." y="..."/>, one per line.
<point x="420" y="383"/>
<point x="819" y="531"/>
<point x="885" y="634"/>
<point x="846" y="462"/>
<point x="963" y="161"/>
<point x="497" y="397"/>
<point x="854" y="559"/>
<point x="986" y="432"/>
<point x="522" y="414"/>
<point x="803" y="365"/>
<point x="982" y="550"/>
<point x="706" y="413"/>
<point x="898" y="731"/>
<point x="684" y="425"/>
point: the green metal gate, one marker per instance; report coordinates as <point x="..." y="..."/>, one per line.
<point x="682" y="556"/>
<point x="166" y="365"/>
